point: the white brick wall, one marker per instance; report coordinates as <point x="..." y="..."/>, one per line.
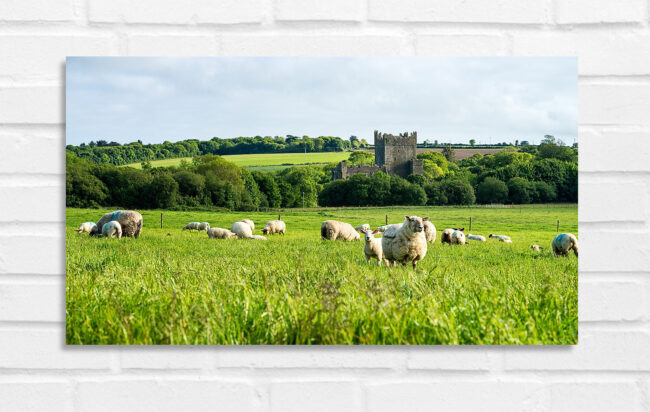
<point x="608" y="370"/>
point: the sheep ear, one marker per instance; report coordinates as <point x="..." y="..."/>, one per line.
<point x="407" y="217"/>
<point x="375" y="231"/>
<point x="425" y="218"/>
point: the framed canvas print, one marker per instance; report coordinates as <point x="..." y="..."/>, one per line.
<point x="325" y="200"/>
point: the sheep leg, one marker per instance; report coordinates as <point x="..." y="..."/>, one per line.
<point x="415" y="264"/>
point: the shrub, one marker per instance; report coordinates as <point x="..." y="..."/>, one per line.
<point x="492" y="190"/>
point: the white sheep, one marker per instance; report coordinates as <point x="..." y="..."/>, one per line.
<point x="192" y="226"/>
<point x="406" y="244"/>
<point x="219" y="233"/>
<point x="130" y="221"/>
<point x="86" y="227"/>
<point x="362" y="228"/>
<point x="536" y="248"/>
<point x="478" y="238"/>
<point x="502" y="238"/>
<point x="242" y="230"/>
<point x="274" y="226"/>
<point x="563" y="243"/>
<point x="204" y="226"/>
<point x="112" y="229"/>
<point x="258" y="237"/>
<point x="429" y="231"/>
<point x="335" y="230"/>
<point x="372" y="246"/>
<point x="458" y="238"/>
<point x="445" y="236"/>
<point x="249" y="223"/>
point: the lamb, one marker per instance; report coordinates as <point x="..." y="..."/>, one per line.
<point x="258" y="237"/>
<point x="274" y="226"/>
<point x="112" y="229"/>
<point x="219" y="233"/>
<point x="204" y="226"/>
<point x="502" y="238"/>
<point x="406" y="244"/>
<point x="249" y="223"/>
<point x="242" y="230"/>
<point x="372" y="246"/>
<point x="192" y="226"/>
<point x="130" y="220"/>
<point x="478" y="238"/>
<point x="537" y="248"/>
<point x="429" y="231"/>
<point x="85" y="227"/>
<point x="362" y="228"/>
<point x="335" y="230"/>
<point x="445" y="236"/>
<point x="563" y="243"/>
<point x="458" y="238"/>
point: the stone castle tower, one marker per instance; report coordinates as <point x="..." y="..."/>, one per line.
<point x="395" y="155"/>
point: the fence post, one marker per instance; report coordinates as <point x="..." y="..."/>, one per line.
<point x="161" y="220"/>
<point x="386" y="219"/>
<point x="470" y="224"/>
<point x="558" y="226"/>
<point x="279" y="217"/>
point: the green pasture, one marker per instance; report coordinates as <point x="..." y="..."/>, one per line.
<point x="175" y="287"/>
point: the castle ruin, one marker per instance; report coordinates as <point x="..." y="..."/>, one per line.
<point x="394" y="155"/>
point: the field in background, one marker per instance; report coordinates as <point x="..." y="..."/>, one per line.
<point x="174" y="287"/>
<point x="265" y="161"/>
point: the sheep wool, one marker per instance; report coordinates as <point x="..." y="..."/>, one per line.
<point x="536" y="248"/>
<point x="204" y="226"/>
<point x="274" y="226"/>
<point x="445" y="236"/>
<point x="406" y="245"/>
<point x="258" y="237"/>
<point x="429" y="231"/>
<point x="112" y="229"/>
<point x="130" y="220"/>
<point x="564" y="243"/>
<point x="219" y="233"/>
<point x="85" y="227"/>
<point x="478" y="238"/>
<point x="372" y="246"/>
<point x="501" y="238"/>
<point x="249" y="223"/>
<point x="458" y="238"/>
<point x="242" y="230"/>
<point x="192" y="226"/>
<point x="335" y="230"/>
<point x="362" y="228"/>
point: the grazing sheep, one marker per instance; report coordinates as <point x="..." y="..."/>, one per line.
<point x="85" y="227"/>
<point x="192" y="226"/>
<point x="362" y="228"/>
<point x="275" y="226"/>
<point x="536" y="248"/>
<point x="112" y="229"/>
<point x="335" y="230"/>
<point x="242" y="229"/>
<point x="502" y="238"/>
<point x="204" y="226"/>
<point x="249" y="223"/>
<point x="406" y="244"/>
<point x="478" y="238"/>
<point x="445" y="236"/>
<point x="563" y="243"/>
<point x="372" y="246"/>
<point x="130" y="220"/>
<point x="389" y="228"/>
<point x="429" y="231"/>
<point x="219" y="233"/>
<point x="458" y="238"/>
<point x="258" y="237"/>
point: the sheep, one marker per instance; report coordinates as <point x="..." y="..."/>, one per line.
<point x="563" y="243"/>
<point x="478" y="238"/>
<point x="392" y="227"/>
<point x="85" y="227"/>
<point x="372" y="246"/>
<point x="445" y="236"/>
<point x="258" y="237"/>
<point x="429" y="231"/>
<point x="335" y="230"/>
<point x="192" y="226"/>
<point x="249" y="223"/>
<point x="112" y="229"/>
<point x="502" y="238"/>
<point x="362" y="228"/>
<point x="204" y="226"/>
<point x="406" y="244"/>
<point x="242" y="230"/>
<point x="274" y="226"/>
<point x="458" y="238"/>
<point x="130" y="220"/>
<point x="537" y="248"/>
<point x="219" y="233"/>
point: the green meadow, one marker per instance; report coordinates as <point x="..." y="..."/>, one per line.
<point x="182" y="288"/>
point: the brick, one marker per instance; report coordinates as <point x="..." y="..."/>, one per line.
<point x="607" y="151"/>
<point x="172" y="12"/>
<point x="33" y="302"/>
<point x="599" y="11"/>
<point x="619" y="104"/>
<point x="313" y="45"/>
<point x="460" y="45"/>
<point x="616" y="206"/>
<point x="315" y="396"/>
<point x="611" y="301"/>
<point x="160" y="357"/>
<point x="471" y="11"/>
<point x="19" y="204"/>
<point x="613" y="251"/>
<point x="42" y="58"/>
<point x="37" y="10"/>
<point x="596" y="351"/>
<point x="455" y="396"/>
<point x="145" y="45"/>
<point x="591" y="47"/>
<point x="306" y="357"/>
<point x="314" y="10"/>
<point x="45" y="105"/>
<point x="199" y="394"/>
<point x="36" y="396"/>
<point x="449" y="358"/>
<point x="45" y="349"/>
<point x="41" y="255"/>
<point x="44" y="147"/>
<point x="594" y="397"/>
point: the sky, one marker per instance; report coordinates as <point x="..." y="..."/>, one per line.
<point x="489" y="99"/>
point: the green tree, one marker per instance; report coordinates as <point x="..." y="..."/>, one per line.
<point x="519" y="190"/>
<point x="449" y="153"/>
<point x="472" y="142"/>
<point x="458" y="192"/>
<point x="359" y="157"/>
<point x="162" y="192"/>
<point x="492" y="190"/>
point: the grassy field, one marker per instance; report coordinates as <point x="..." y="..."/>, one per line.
<point x="264" y="162"/>
<point x="174" y="287"/>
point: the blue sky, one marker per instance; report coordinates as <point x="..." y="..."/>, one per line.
<point x="490" y="99"/>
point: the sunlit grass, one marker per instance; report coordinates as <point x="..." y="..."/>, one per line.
<point x="278" y="160"/>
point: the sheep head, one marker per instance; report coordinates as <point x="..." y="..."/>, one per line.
<point x="415" y="223"/>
